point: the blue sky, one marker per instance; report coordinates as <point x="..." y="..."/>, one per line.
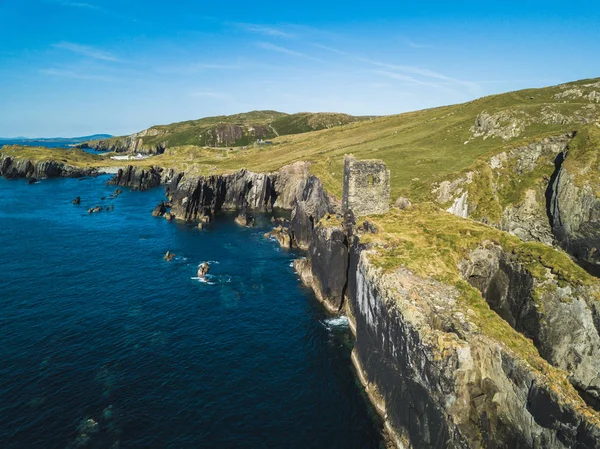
<point x="76" y="67"/>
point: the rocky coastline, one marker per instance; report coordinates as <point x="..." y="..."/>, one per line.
<point x="14" y="168"/>
<point x="434" y="376"/>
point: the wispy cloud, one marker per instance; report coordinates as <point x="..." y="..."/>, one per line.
<point x="61" y="73"/>
<point x="88" y="51"/>
<point x="194" y="68"/>
<point x="413" y="44"/>
<point x="409" y="73"/>
<point x="286" y="51"/>
<point x="79" y="5"/>
<point x="330" y="49"/>
<point x="264" y="30"/>
<point x="91" y="7"/>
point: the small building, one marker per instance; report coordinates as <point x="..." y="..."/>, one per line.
<point x="366" y="188"/>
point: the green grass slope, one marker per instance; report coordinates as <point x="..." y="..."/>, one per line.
<point x="422" y="147"/>
<point x="230" y="131"/>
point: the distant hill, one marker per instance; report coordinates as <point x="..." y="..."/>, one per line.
<point x="222" y="131"/>
<point x="50" y="142"/>
<point x="57" y="139"/>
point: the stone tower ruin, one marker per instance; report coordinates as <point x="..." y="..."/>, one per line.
<point x="366" y="189"/>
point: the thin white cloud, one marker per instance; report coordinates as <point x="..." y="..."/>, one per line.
<point x="408" y="73"/>
<point x="286" y="51"/>
<point x="194" y="68"/>
<point x="331" y="49"/>
<point x="92" y="8"/>
<point x="413" y="44"/>
<point x="88" y="51"/>
<point x="265" y="30"/>
<point x="79" y="5"/>
<point x="60" y="73"/>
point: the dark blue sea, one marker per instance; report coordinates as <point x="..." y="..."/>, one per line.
<point x="106" y="345"/>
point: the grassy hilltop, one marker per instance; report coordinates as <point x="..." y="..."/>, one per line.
<point x="228" y="131"/>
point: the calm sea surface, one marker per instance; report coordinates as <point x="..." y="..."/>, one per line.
<point x="105" y="344"/>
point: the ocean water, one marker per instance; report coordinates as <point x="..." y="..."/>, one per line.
<point x="106" y="345"/>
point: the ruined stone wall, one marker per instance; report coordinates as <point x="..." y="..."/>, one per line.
<point x="366" y="189"/>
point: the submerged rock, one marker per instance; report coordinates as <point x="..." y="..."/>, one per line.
<point x="77" y="200"/>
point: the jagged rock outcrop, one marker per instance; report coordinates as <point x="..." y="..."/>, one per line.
<point x="575" y="218"/>
<point x="325" y="271"/>
<point x="311" y="205"/>
<point x="137" y="178"/>
<point x="559" y="320"/>
<point x="529" y="192"/>
<point x="129" y="144"/>
<point x="289" y="188"/>
<point x="11" y="167"/>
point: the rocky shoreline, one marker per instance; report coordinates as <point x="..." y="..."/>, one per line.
<point x="427" y="368"/>
<point x="13" y="168"/>
<point x="430" y="371"/>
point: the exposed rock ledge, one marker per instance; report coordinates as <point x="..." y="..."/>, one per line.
<point x="195" y="197"/>
<point x="11" y="168"/>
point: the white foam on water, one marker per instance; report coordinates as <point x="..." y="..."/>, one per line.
<point x="291" y="264"/>
<point x="339" y="322"/>
<point x="203" y="280"/>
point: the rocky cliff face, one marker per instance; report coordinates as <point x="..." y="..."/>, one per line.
<point x="561" y="320"/>
<point x="193" y="197"/>
<point x="443" y="383"/>
<point x="134" y="143"/>
<point x="528" y="192"/>
<point x="326" y="269"/>
<point x="138" y="178"/>
<point x="574" y="212"/>
<point x="23" y="168"/>
<point x="438" y="378"/>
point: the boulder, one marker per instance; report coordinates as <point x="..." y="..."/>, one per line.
<point x="245" y="220"/>
<point x="402" y="203"/>
<point x="203" y="269"/>
<point x="169" y="256"/>
<point x="159" y="210"/>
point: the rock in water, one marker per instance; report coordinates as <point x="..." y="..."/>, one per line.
<point x="203" y="269"/>
<point x="169" y="256"/>
<point x="159" y="210"/>
<point x="77" y="200"/>
<point x="245" y="220"/>
<point x="32" y="181"/>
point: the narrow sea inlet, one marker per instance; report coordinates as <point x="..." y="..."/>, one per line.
<point x="105" y="344"/>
